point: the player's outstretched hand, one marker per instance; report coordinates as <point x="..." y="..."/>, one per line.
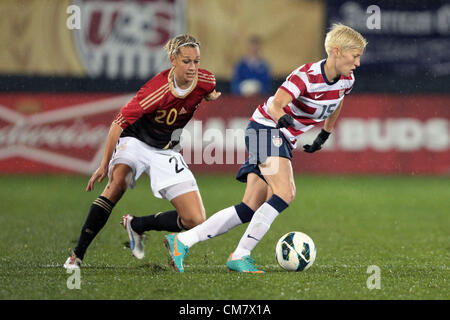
<point x="98" y="175"/>
<point x="285" y="121"/>
<point x="310" y="148"/>
<point x="317" y="143"/>
<point x="213" y="96"/>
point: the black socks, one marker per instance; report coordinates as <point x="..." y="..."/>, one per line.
<point x="98" y="215"/>
<point x="163" y="221"/>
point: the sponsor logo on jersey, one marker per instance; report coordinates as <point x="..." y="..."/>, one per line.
<point x="317" y="96"/>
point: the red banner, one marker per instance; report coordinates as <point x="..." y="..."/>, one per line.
<point x="376" y="134"/>
<point x="381" y="134"/>
<point x="53" y="133"/>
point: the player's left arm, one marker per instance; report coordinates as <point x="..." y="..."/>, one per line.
<point x="331" y="120"/>
<point x="207" y="81"/>
<point x="325" y="132"/>
<point x="214" y="95"/>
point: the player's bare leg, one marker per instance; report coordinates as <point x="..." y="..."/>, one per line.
<point x="256" y="192"/>
<point x="118" y="182"/>
<point x="228" y="218"/>
<point x="219" y="223"/>
<point x="188" y="213"/>
<point x="281" y="181"/>
<point x="279" y="174"/>
<point x="189" y="207"/>
<point x="100" y="211"/>
<point x="191" y="212"/>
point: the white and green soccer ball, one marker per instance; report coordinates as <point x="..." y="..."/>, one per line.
<point x="295" y="251"/>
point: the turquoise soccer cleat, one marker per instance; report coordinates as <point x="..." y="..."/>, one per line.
<point x="245" y="264"/>
<point x="177" y="250"/>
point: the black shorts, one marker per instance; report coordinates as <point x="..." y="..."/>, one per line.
<point x="261" y="142"/>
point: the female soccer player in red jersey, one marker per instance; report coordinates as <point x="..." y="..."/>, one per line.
<point x="312" y="93"/>
<point x="141" y="139"/>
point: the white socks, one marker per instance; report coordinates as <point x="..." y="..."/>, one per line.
<point x="228" y="218"/>
<point x="259" y="225"/>
<point x="215" y="225"/>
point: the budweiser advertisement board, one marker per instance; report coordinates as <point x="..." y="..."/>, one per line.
<point x="375" y="134"/>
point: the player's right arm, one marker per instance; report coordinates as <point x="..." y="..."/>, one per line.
<point x="291" y="89"/>
<point x="113" y="136"/>
<point x="132" y="111"/>
<point x="279" y="101"/>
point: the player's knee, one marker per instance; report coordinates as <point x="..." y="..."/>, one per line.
<point x="287" y="194"/>
<point x="293" y="193"/>
<point x="199" y="220"/>
<point x="120" y="185"/>
<point x="289" y="198"/>
<point x="193" y="217"/>
<point x="115" y="189"/>
<point x="193" y="221"/>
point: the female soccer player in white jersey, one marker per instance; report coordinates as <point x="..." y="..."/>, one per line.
<point x="141" y="140"/>
<point x="312" y="93"/>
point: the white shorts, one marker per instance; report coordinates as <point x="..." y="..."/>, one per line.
<point x="169" y="174"/>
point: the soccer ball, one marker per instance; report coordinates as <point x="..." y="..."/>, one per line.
<point x="295" y="251"/>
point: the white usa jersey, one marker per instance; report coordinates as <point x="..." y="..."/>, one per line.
<point x="314" y="98"/>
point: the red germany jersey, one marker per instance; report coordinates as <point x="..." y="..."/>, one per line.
<point x="157" y="110"/>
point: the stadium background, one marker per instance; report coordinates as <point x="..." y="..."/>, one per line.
<point x="395" y="121"/>
<point x="60" y="90"/>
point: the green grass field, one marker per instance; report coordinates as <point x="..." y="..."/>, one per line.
<point x="400" y="224"/>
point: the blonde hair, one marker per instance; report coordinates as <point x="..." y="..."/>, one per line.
<point x="344" y="38"/>
<point x="173" y="46"/>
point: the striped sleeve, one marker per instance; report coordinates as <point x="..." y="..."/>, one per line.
<point x="207" y="80"/>
<point x="294" y="85"/>
<point x="129" y="114"/>
<point x="149" y="99"/>
<point x="145" y="101"/>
